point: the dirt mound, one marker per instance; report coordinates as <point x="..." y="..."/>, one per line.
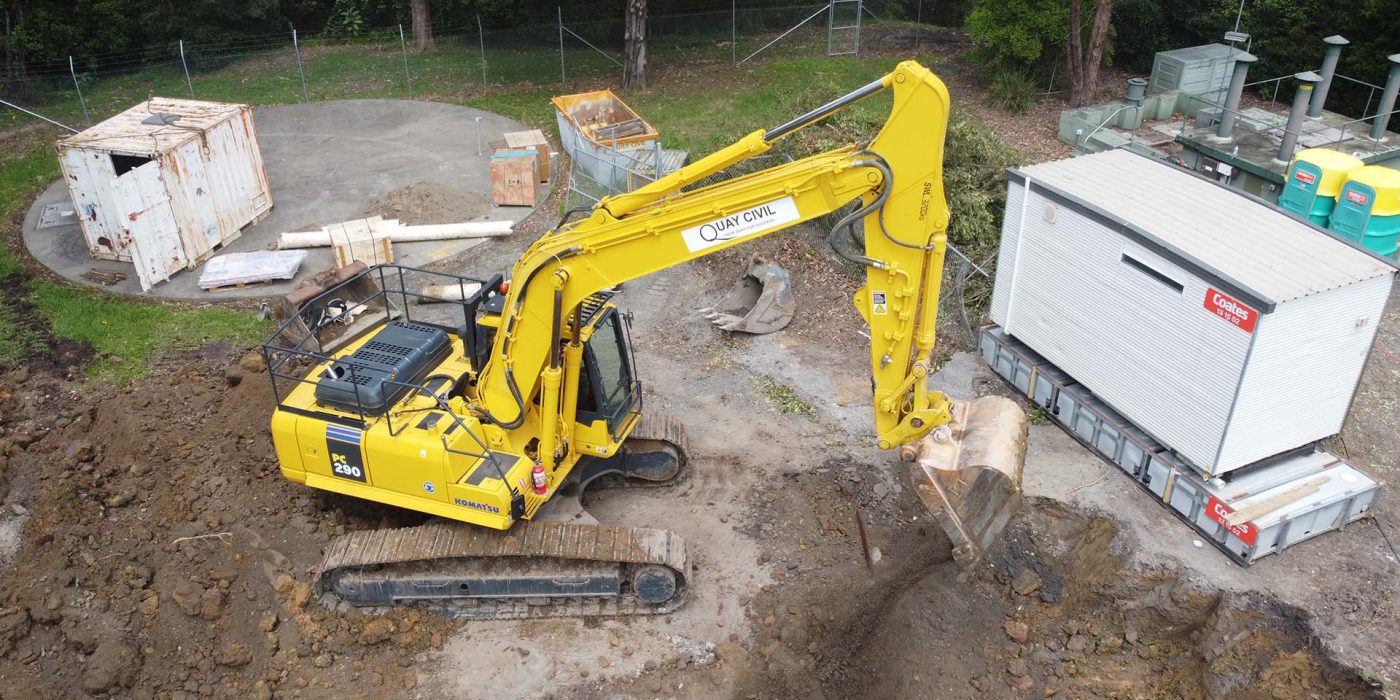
<point x="158" y="552"/>
<point x="428" y="203"/>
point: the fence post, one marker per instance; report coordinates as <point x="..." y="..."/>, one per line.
<point x="187" y="69"/>
<point x="296" y="48"/>
<point x="73" y="72"/>
<point x="734" y="31"/>
<point x="563" y="78"/>
<point x="407" y="77"/>
<point x="481" y="42"/>
<point x="918" y="24"/>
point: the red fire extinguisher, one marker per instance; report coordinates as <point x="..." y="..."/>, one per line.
<point x="537" y="478"/>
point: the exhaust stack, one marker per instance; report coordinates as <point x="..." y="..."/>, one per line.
<point x="1392" y="86"/>
<point x="1308" y="80"/>
<point x="1224" y="131"/>
<point x="1329" y="69"/>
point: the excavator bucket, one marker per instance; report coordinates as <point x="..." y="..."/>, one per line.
<point x="968" y="472"/>
<point x="760" y="302"/>
<point x="312" y="307"/>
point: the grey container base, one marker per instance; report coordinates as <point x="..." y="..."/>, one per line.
<point x="1262" y="509"/>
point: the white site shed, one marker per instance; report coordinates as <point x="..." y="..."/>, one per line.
<point x="1224" y="328"/>
<point x="166" y="183"/>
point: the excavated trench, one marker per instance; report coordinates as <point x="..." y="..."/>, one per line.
<point x="1053" y="612"/>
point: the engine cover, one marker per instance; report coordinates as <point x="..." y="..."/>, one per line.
<point x="402" y="351"/>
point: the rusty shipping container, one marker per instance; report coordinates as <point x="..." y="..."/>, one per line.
<point x="166" y="184"/>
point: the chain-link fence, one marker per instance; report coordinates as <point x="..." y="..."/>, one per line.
<point x="469" y="57"/>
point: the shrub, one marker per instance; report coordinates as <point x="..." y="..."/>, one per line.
<point x="1013" y="90"/>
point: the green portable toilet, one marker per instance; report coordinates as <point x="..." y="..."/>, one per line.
<point x="1314" y="178"/>
<point x="1368" y="209"/>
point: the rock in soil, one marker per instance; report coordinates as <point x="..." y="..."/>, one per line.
<point x="1026" y="582"/>
<point x="14" y="625"/>
<point x="115" y="664"/>
<point x="234" y="654"/>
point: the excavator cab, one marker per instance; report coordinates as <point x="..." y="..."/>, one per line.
<point x="608" y="389"/>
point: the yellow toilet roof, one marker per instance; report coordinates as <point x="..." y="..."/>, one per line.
<point x="1377" y="176"/>
<point x="1328" y="159"/>
<point x="1386" y="182"/>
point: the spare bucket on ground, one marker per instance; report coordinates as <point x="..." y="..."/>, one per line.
<point x="760" y="302"/>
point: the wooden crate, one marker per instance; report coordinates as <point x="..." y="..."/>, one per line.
<point x="366" y="240"/>
<point x="534" y="138"/>
<point x="513" y="177"/>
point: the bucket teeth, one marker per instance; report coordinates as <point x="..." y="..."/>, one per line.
<point x="760" y="302"/>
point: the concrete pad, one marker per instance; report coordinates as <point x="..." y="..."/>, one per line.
<point x="325" y="161"/>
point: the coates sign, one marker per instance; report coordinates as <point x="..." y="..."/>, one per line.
<point x="1220" y="513"/>
<point x="1231" y="309"/>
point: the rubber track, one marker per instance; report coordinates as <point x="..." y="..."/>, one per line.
<point x="446" y="541"/>
<point x="659" y="428"/>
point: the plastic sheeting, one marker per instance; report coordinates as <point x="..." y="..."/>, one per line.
<point x="258" y="266"/>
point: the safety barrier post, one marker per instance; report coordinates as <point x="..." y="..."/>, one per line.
<point x="296" y="49"/>
<point x="407" y="77"/>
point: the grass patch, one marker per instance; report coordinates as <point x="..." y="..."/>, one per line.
<point x="782" y="397"/>
<point x="22" y="176"/>
<point x="1035" y="413"/>
<point x="128" y="335"/>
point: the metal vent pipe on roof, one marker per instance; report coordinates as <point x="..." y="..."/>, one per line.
<point x="1232" y="98"/>
<point x="1392" y="86"/>
<point x="1308" y="80"/>
<point x="1329" y="69"/>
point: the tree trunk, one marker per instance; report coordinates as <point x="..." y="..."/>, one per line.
<point x="422" y="26"/>
<point x="634" y="61"/>
<point x="1075" y="57"/>
<point x="9" y="49"/>
<point x="1097" y="38"/>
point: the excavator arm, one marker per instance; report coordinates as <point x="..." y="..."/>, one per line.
<point x="899" y="181"/>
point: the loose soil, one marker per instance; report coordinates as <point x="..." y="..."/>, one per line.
<point x="428" y="203"/>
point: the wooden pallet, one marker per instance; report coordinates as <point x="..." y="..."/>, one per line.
<point x="238" y="285"/>
<point x="107" y="277"/>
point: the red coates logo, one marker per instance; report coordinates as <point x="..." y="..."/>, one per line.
<point x="1218" y="512"/>
<point x="1231" y="309"/>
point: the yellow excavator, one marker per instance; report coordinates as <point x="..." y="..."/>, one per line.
<point x="495" y="420"/>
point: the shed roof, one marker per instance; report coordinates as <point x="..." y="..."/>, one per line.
<point x="1204" y="52"/>
<point x="1206" y="226"/>
<point x="154" y="126"/>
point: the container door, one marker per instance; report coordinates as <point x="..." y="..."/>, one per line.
<point x="1300" y="191"/>
<point x="89" y="176"/>
<point x="1353" y="212"/>
<point x="201" y="198"/>
<point x="150" y="225"/>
